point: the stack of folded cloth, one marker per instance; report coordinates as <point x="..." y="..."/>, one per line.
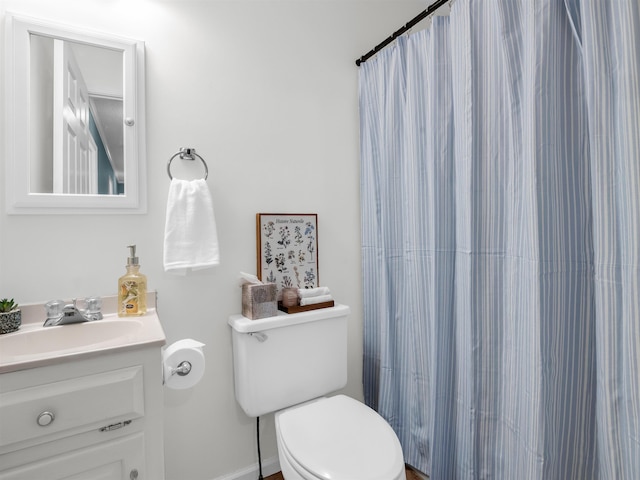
<point x="311" y="296"/>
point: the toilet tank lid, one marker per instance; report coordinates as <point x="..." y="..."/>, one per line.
<point x="243" y="324"/>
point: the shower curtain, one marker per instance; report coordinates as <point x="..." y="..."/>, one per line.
<point x="500" y="188"/>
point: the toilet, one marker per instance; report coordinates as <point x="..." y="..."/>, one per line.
<point x="289" y="364"/>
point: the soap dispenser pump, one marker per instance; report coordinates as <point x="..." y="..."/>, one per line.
<point x="132" y="288"/>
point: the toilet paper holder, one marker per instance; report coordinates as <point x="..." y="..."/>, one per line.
<point x="183" y="368"/>
<point x="183" y="364"/>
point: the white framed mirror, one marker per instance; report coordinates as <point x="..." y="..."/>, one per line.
<point x="75" y="124"/>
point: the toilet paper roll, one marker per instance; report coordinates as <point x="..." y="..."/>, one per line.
<point x="183" y="364"/>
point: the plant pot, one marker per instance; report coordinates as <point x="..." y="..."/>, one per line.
<point x="10" y="321"/>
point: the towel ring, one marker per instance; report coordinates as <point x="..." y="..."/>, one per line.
<point x="187" y="154"/>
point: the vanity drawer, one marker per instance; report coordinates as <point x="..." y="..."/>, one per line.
<point x="75" y="405"/>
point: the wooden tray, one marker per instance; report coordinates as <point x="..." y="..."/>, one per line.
<point x="305" y="308"/>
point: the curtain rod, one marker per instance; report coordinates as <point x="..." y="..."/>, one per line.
<point x="432" y="8"/>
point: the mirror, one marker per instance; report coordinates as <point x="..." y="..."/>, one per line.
<point x="75" y="124"/>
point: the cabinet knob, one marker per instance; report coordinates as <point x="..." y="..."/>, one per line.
<point x="46" y="418"/>
<point x="133" y="475"/>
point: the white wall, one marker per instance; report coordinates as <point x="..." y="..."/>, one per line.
<point x="267" y="92"/>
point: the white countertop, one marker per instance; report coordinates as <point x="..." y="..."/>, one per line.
<point x="35" y="346"/>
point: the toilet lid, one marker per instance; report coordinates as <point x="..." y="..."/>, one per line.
<point x="339" y="438"/>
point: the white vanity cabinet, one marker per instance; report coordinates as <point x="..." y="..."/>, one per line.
<point x="96" y="417"/>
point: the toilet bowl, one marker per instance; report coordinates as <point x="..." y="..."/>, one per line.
<point x="337" y="438"/>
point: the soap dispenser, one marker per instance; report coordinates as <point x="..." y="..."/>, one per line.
<point x="132" y="288"/>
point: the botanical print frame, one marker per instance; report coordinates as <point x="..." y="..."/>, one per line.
<point x="287" y="249"/>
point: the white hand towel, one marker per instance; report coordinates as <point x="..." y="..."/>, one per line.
<point x="190" y="236"/>
<point x="314" y="300"/>
<point x="313" y="292"/>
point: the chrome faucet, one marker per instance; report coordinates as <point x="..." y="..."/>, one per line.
<point x="59" y="313"/>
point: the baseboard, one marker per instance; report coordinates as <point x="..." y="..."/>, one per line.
<point x="269" y="467"/>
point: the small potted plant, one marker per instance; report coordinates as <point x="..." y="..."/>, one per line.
<point x="10" y="316"/>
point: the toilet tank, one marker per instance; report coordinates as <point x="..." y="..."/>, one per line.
<point x="288" y="359"/>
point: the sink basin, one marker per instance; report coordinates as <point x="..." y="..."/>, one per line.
<point x="34" y="345"/>
<point x="67" y="337"/>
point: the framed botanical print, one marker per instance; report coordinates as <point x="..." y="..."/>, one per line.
<point x="287" y="249"/>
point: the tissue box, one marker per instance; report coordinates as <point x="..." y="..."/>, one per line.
<point x="259" y="301"/>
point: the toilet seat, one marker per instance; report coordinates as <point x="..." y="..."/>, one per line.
<point x="339" y="438"/>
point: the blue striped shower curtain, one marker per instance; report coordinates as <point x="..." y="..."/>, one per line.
<point x="500" y="185"/>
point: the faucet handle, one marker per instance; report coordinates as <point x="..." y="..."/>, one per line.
<point x="54" y="308"/>
<point x="93" y="304"/>
<point x="92" y="308"/>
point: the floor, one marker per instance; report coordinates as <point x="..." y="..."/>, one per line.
<point x="411" y="475"/>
